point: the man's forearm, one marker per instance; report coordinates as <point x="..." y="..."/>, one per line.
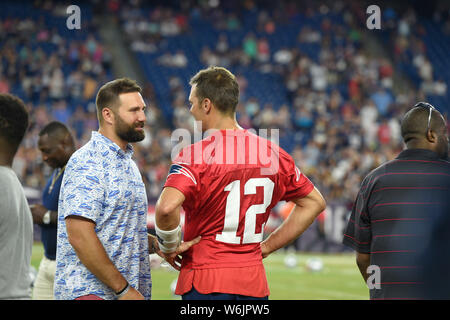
<point x="94" y="257"/>
<point x="92" y="254"/>
<point x="297" y="222"/>
<point x="152" y="244"/>
<point x="306" y="209"/>
<point x="54" y="217"/>
<point x="168" y="220"/>
<point x="363" y="262"/>
<point x="168" y="207"/>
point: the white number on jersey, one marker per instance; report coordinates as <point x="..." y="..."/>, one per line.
<point x="233" y="208"/>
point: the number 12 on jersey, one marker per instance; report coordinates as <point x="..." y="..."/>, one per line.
<point x="233" y="208"/>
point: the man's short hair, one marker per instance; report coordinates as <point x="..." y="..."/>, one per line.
<point x="220" y="86"/>
<point x="108" y="95"/>
<point x="55" y="128"/>
<point x="415" y="122"/>
<point x="13" y="119"/>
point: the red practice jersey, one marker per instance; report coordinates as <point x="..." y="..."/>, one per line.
<point x="231" y="180"/>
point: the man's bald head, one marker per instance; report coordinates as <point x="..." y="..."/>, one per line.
<point x="418" y="132"/>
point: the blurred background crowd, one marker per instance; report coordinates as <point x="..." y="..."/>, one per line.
<point x="335" y="90"/>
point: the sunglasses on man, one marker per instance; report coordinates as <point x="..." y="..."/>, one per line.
<point x="428" y="106"/>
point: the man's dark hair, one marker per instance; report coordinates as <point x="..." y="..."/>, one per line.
<point x="13" y="119"/>
<point x="220" y="86"/>
<point x="415" y="122"/>
<point x="53" y="127"/>
<point x="108" y="95"/>
<point x="56" y="129"/>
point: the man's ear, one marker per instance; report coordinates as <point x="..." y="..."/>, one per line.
<point x="431" y="136"/>
<point x="108" y="115"/>
<point x="63" y="142"/>
<point x="67" y="142"/>
<point x="207" y="105"/>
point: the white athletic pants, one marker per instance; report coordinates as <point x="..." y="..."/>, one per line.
<point x="43" y="285"/>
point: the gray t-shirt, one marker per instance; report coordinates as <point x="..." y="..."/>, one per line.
<point x="16" y="238"/>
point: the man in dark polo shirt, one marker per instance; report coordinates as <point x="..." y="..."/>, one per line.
<point x="56" y="145"/>
<point x="399" y="224"/>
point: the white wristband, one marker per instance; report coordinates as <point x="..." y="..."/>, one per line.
<point x="168" y="240"/>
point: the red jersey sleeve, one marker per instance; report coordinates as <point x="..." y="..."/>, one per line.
<point x="296" y="183"/>
<point x="183" y="176"/>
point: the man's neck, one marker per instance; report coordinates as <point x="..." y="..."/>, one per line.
<point x="417" y="144"/>
<point x="6" y="156"/>
<point x="6" y="161"/>
<point x="114" y="138"/>
<point x="225" y="123"/>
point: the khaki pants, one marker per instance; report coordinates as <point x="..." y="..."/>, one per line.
<point x="43" y="285"/>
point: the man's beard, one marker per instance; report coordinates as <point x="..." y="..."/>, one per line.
<point x="128" y="132"/>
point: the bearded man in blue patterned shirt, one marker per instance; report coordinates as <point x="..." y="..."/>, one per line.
<point x="103" y="246"/>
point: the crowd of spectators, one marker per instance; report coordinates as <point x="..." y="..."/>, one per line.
<point x="56" y="76"/>
<point x="407" y="36"/>
<point x="342" y="116"/>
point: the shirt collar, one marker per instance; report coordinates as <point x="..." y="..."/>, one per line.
<point x="98" y="137"/>
<point x="424" y="154"/>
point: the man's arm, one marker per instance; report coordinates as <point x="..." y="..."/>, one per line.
<point x="38" y="211"/>
<point x="168" y="207"/>
<point x="363" y="262"/>
<point x="167" y="218"/>
<point x="81" y="235"/>
<point x="301" y="217"/>
<point x="153" y="246"/>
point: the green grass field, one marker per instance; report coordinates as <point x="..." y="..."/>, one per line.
<point x="339" y="279"/>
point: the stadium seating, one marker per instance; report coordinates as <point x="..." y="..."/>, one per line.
<point x="324" y="129"/>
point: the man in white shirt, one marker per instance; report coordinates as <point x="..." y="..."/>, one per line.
<point x="16" y="224"/>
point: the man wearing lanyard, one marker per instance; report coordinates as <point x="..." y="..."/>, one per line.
<point x="56" y="145"/>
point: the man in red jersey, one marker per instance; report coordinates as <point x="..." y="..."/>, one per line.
<point x="227" y="184"/>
